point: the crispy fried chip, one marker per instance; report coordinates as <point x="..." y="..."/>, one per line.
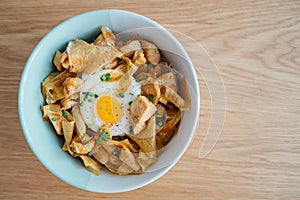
<point x="88" y="57"/>
<point x="53" y="113"/>
<point x="79" y="124"/>
<point x="91" y="164"/>
<point x="72" y="85"/>
<point x="52" y="87"/>
<point x="68" y="128"/>
<point x="146" y="138"/>
<point x="128" y="158"/>
<point x="100" y="154"/>
<point x="56" y="60"/>
<point x="80" y="148"/>
<point x="171" y="96"/>
<point x="146" y="159"/>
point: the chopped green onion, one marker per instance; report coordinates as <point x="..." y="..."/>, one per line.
<point x="53" y="119"/>
<point x="121" y="94"/>
<point x="130" y="130"/>
<point x="86" y="96"/>
<point x="103" y="78"/>
<point x="131" y="94"/>
<point x="115" y="153"/>
<point x="84" y="93"/>
<point x="157" y="112"/>
<point x="151" y="97"/>
<point x="120" y="62"/>
<point x="139" y="95"/>
<point x="130" y="102"/>
<point x="108" y="76"/>
<point x="99" y="139"/>
<point x="159" y="122"/>
<point x="100" y="130"/>
<point x="122" y="137"/>
<point x="65" y="114"/>
<point x="96" y="96"/>
<point x="89" y="154"/>
<point x="90" y="100"/>
<point x="106" y="136"/>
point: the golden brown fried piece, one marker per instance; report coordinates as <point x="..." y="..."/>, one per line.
<point x="91" y="164"/>
<point x="53" y="112"/>
<point x="169" y="79"/>
<point x="152" y="91"/>
<point x="141" y="110"/>
<point x="80" y="125"/>
<point x="171" y="96"/>
<point x="68" y="130"/>
<point x="147" y="142"/>
<point x="88" y="57"/>
<point x="72" y="85"/>
<point x="151" y="52"/>
<point x="169" y="129"/>
<point x="131" y="47"/>
<point x="108" y="36"/>
<point x="139" y="58"/>
<point x="100" y="154"/>
<point x="52" y="87"/>
<point x="128" y="158"/>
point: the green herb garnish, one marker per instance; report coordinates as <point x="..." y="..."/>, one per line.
<point x="105" y="136"/>
<point x="120" y="62"/>
<point x="96" y="96"/>
<point x="89" y="154"/>
<point x="121" y="94"/>
<point x="115" y="153"/>
<point x="122" y="137"/>
<point x="159" y="122"/>
<point x="131" y="94"/>
<point x="100" y="130"/>
<point x="99" y="139"/>
<point x="157" y="112"/>
<point x="53" y="119"/>
<point x="130" y="130"/>
<point x="130" y="102"/>
<point x="85" y="97"/>
<point x="108" y="76"/>
<point x="105" y="77"/>
<point x="151" y="97"/>
<point x="65" y="114"/>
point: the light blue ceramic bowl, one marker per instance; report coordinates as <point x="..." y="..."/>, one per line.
<point x="41" y="136"/>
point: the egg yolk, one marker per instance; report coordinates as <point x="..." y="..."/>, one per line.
<point x="109" y="109"/>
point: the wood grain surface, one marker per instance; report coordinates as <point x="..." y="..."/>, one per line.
<point x="256" y="47"/>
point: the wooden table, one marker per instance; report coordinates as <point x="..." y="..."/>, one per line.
<point x="256" y="47"/>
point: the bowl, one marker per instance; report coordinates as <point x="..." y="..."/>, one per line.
<point x="40" y="135"/>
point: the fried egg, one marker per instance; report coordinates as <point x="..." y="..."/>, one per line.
<point x="104" y="102"/>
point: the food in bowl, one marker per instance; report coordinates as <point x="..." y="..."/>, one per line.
<point x="116" y="103"/>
